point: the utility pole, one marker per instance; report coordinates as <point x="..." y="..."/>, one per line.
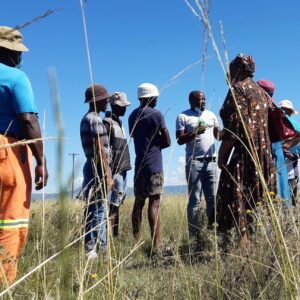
<point x="73" y="171"/>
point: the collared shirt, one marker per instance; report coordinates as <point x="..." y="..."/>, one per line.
<point x="203" y="145"/>
<point x="92" y="127"/>
<point x="16" y="97"/>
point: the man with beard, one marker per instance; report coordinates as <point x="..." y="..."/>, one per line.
<point x="197" y="128"/>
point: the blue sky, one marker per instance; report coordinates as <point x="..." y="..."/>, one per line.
<point x="139" y="41"/>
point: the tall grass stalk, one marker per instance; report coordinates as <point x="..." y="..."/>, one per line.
<point x="100" y="160"/>
<point x="63" y="226"/>
<point x="181" y="280"/>
<point x="43" y="236"/>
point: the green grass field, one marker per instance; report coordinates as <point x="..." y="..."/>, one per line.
<point x="184" y="270"/>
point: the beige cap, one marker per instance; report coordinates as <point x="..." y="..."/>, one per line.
<point x="119" y="98"/>
<point x="11" y="39"/>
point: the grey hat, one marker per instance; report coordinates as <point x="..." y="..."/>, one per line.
<point x="11" y="39"/>
<point x="119" y="98"/>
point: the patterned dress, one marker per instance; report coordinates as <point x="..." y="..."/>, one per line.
<point x="240" y="187"/>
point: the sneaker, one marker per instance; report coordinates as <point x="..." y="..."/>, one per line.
<point x="91" y="255"/>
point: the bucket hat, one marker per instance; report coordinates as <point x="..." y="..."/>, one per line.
<point x="100" y="93"/>
<point x="147" y="90"/>
<point x="11" y="39"/>
<point x="289" y="105"/>
<point x="119" y="98"/>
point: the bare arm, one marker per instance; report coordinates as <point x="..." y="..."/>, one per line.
<point x="31" y="130"/>
<point x="108" y="128"/>
<point x="218" y="133"/>
<point x="165" y="139"/>
<point x="106" y="169"/>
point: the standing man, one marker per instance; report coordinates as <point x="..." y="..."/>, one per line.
<point x="97" y="179"/>
<point x="197" y="128"/>
<point x="148" y="128"/>
<point x="119" y="155"/>
<point x="18" y="121"/>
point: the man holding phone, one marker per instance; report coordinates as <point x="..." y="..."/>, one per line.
<point x="197" y="128"/>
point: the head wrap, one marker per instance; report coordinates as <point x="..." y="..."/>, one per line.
<point x="242" y="66"/>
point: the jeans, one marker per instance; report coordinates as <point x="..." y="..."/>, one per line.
<point x="281" y="171"/>
<point x="201" y="177"/>
<point x="118" y="193"/>
<point x="95" y="210"/>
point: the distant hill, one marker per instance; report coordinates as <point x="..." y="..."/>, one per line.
<point x="174" y="189"/>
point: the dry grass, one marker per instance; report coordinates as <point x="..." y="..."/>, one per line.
<point x="184" y="270"/>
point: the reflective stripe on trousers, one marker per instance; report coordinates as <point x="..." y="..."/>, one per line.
<point x="15" y="192"/>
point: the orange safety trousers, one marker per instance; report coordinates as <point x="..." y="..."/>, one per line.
<point x="15" y="193"/>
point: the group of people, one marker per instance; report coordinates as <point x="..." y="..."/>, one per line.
<point x="105" y="171"/>
<point x="255" y="156"/>
<point x="258" y="155"/>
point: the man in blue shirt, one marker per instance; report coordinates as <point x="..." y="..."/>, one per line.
<point x="18" y="121"/>
<point x="150" y="134"/>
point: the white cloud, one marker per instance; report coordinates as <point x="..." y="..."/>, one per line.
<point x="176" y="176"/>
<point x="181" y="159"/>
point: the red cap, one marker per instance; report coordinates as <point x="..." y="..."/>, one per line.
<point x="267" y="85"/>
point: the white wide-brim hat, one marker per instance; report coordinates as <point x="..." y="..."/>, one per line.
<point x="289" y="105"/>
<point x="147" y="90"/>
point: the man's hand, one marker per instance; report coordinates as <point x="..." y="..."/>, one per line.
<point x="186" y="137"/>
<point x="200" y="129"/>
<point x="41" y="177"/>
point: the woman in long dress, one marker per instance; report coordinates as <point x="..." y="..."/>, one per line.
<point x="246" y="139"/>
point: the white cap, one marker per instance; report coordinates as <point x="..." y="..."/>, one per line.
<point x="147" y="90"/>
<point x="287" y="104"/>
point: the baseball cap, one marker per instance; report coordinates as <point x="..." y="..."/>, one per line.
<point x="100" y="93"/>
<point x="11" y="39"/>
<point x="147" y="90"/>
<point x="119" y="98"/>
<point x="287" y="104"/>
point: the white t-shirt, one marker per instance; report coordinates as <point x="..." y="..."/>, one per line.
<point x="203" y="144"/>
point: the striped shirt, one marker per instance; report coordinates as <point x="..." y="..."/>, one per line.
<point x="91" y="127"/>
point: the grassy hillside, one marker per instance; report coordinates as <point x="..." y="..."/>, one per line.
<point x="184" y="270"/>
